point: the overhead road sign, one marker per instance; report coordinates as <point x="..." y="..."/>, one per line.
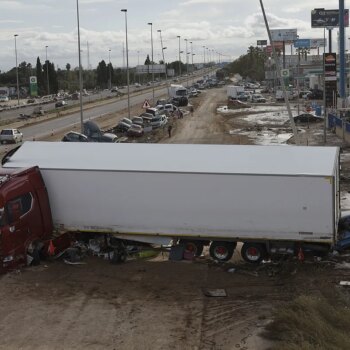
<point x="288" y="35"/>
<point x="321" y="18"/>
<point x="302" y="43"/>
<point x="149" y="69"/>
<point x="316" y="43"/>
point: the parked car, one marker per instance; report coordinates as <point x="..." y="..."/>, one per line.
<point x="193" y="93"/>
<point x="114" y="89"/>
<point x="307" y="118"/>
<point x="138" y="121"/>
<point x="10" y="136"/>
<point x="257" y="98"/>
<point x="304" y="94"/>
<point x="135" y="130"/>
<point x="4" y="98"/>
<point x="315" y="95"/>
<point x="95" y="134"/>
<point x="180" y="101"/>
<point x="122" y="127"/>
<point x="74" y="136"/>
<point x="158" y="121"/>
<point x="170" y="107"/>
<point x="61" y="103"/>
<point x="152" y="110"/>
<point x="108" y="137"/>
<point x="127" y="121"/>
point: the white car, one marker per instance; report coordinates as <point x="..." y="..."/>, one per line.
<point x="258" y="98"/>
<point x="4" y="99"/>
<point x="10" y="135"/>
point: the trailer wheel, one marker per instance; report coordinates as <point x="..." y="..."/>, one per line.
<point x="253" y="252"/>
<point x="222" y="251"/>
<point x="192" y="246"/>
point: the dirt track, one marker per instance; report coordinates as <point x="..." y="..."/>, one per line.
<point x="154" y="304"/>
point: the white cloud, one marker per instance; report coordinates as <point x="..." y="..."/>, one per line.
<point x="228" y="26"/>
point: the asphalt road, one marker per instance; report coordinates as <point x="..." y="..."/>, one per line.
<point x="45" y="128"/>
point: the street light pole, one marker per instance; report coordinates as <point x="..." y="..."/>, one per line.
<point x="127" y="58"/>
<point x="192" y="66"/>
<point x="151" y="24"/>
<point x="204" y="57"/>
<point x="110" y="74"/>
<point x="179" y="56"/>
<point x="186" y="61"/>
<point x="47" y="73"/>
<point x="16" y="35"/>
<point x="80" y="75"/>
<point x="163" y="48"/>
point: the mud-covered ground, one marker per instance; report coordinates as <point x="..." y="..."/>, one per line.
<point x="158" y="304"/>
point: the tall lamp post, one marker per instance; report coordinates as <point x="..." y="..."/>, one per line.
<point x="192" y="69"/>
<point x="16" y="35"/>
<point x="179" y="56"/>
<point x="80" y="75"/>
<point x="109" y="65"/>
<point x="186" y="61"/>
<point x="47" y="73"/>
<point x="151" y="24"/>
<point x="163" y="48"/>
<point x="127" y="58"/>
<point x="204" y="57"/>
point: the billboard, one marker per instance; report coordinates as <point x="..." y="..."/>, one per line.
<point x="284" y="34"/>
<point x="149" y="69"/>
<point x="261" y="42"/>
<point x="278" y="45"/>
<point x="302" y="43"/>
<point x="310" y="43"/>
<point x="316" y="43"/>
<point x="321" y="18"/>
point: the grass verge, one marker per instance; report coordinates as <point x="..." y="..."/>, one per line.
<point x="311" y="323"/>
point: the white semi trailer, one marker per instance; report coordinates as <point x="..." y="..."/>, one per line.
<point x="270" y="198"/>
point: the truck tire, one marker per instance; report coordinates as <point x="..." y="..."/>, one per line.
<point x="222" y="251"/>
<point x="253" y="253"/>
<point x="193" y="246"/>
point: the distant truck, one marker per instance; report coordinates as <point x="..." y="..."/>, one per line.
<point x="234" y="91"/>
<point x="280" y="199"/>
<point x="177" y="91"/>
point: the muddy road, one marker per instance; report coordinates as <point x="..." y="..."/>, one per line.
<point x="156" y="304"/>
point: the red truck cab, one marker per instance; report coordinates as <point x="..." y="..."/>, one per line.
<point x="25" y="216"/>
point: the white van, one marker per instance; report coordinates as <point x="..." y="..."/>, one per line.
<point x="159" y="121"/>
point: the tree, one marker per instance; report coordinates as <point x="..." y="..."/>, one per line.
<point x="102" y="74"/>
<point x="249" y="65"/>
<point x="40" y="77"/>
<point x="68" y="67"/>
<point x="148" y="61"/>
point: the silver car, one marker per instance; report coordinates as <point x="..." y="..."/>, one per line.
<point x="10" y="136"/>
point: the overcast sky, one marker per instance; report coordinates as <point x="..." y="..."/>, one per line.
<point x="225" y="26"/>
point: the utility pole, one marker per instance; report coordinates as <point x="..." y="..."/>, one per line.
<point x="278" y="68"/>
